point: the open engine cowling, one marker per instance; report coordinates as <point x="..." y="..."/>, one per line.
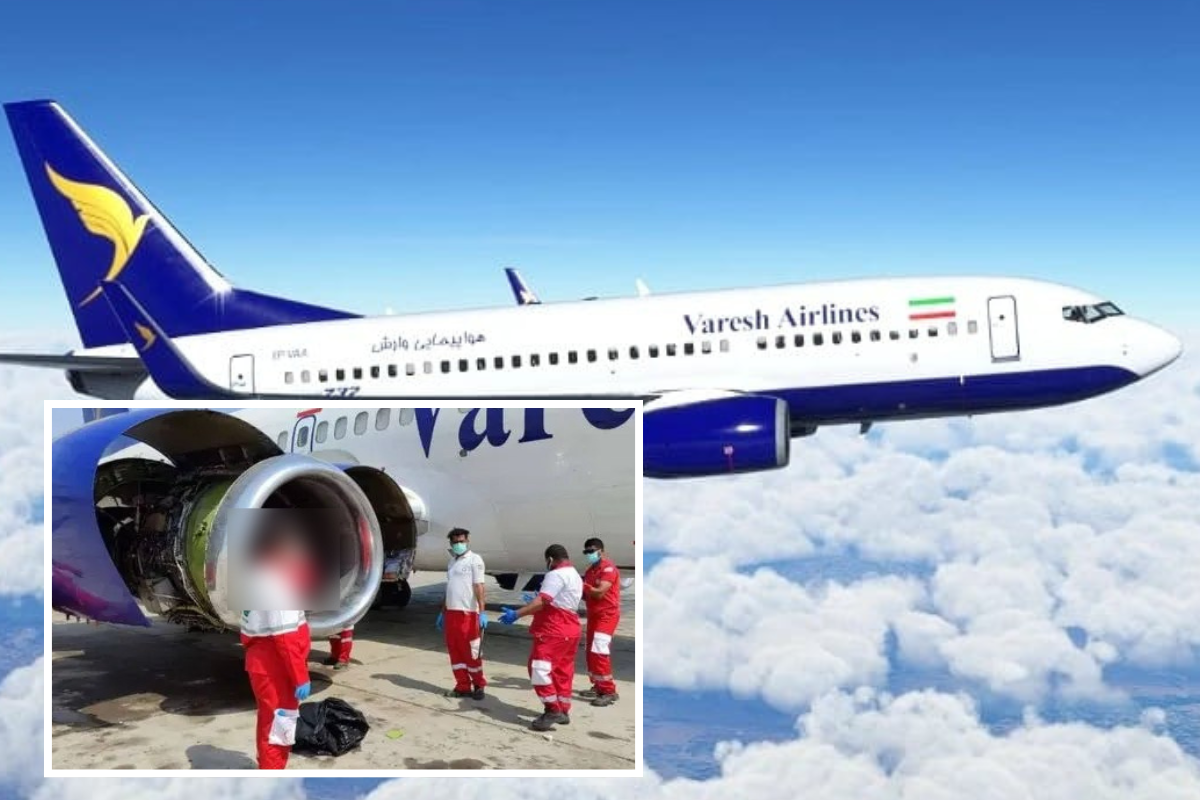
<point x="159" y="530"/>
<point x="687" y="436"/>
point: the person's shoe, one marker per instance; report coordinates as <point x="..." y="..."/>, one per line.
<point x="330" y="662"/>
<point x="477" y="694"/>
<point x="562" y="718"/>
<point x="458" y="693"/>
<point x="589" y="694"/>
<point x="340" y="665"/>
<point x="543" y="723"/>
<point x="605" y="700"/>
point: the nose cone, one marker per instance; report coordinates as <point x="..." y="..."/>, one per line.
<point x="1154" y="348"/>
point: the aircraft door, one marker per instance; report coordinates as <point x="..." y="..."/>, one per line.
<point x="302" y="434"/>
<point x="1002" y="325"/>
<point x="241" y="373"/>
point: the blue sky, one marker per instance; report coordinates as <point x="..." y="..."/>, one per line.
<point x="398" y="155"/>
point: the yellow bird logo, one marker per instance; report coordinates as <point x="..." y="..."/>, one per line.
<point x="104" y="213"/>
<point x="148" y="336"/>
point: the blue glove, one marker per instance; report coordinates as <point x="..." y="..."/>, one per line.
<point x="439" y="621"/>
<point x="302" y="692"/>
<point x="482" y="621"/>
<point x="528" y="598"/>
<point x="509" y="617"/>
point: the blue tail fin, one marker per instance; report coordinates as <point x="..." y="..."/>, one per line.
<point x="100" y="227"/>
<point x="521" y="292"/>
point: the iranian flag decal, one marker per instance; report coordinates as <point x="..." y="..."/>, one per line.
<point x="931" y="308"/>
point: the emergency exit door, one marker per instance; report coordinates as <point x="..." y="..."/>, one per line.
<point x="1002" y="322"/>
<point x="241" y="373"/>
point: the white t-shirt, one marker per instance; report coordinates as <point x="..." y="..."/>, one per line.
<point x="462" y="574"/>
<point x="565" y="586"/>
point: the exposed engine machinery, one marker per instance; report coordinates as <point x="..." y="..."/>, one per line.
<point x="169" y="526"/>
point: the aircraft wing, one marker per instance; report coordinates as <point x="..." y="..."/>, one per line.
<point x="130" y="364"/>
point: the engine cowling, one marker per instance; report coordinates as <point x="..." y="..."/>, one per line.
<point x="155" y="522"/>
<point x="714" y="434"/>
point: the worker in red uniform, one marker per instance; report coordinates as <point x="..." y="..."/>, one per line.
<point x="277" y="641"/>
<point x="602" y="598"/>
<point x="463" y="619"/>
<point x="339" y="648"/>
<point x="555" y="632"/>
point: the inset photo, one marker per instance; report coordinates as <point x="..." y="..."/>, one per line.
<point x="343" y="590"/>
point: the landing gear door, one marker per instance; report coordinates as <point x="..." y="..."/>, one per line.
<point x="241" y="374"/>
<point x="1002" y="325"/>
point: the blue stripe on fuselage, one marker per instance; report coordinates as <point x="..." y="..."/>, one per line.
<point x="973" y="394"/>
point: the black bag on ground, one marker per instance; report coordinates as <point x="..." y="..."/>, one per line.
<point x="331" y="727"/>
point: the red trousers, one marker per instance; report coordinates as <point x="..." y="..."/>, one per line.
<point x="271" y="692"/>
<point x="340" y="645"/>
<point x="552" y="670"/>
<point x="463" y="643"/>
<point x="600" y="632"/>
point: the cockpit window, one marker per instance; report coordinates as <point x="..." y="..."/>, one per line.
<point x="1090" y="314"/>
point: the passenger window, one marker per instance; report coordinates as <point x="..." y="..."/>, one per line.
<point x="972" y="326"/>
<point x="445" y="366"/>
<point x="481" y="363"/>
<point x="670" y="349"/>
<point x="516" y="362"/>
<point x="323" y="376"/>
<point x="382" y="417"/>
<point x="393" y="370"/>
<point x="798" y="339"/>
<point x="894" y="335"/>
<point x="288" y="377"/>
<point x="572" y="357"/>
<point x="612" y="354"/>
<point x="913" y="333"/>
<point x="591" y="354"/>
<point x="818" y="339"/>
<point x="856" y="337"/>
<point x="633" y="352"/>
<point x="305" y="376"/>
<point x="302" y="438"/>
<point x="499" y="362"/>
<point x="341" y="374"/>
<point x="933" y="330"/>
<point x="654" y="351"/>
<point x="534" y="360"/>
<point x="553" y="359"/>
<point x="360" y="423"/>
<point x="463" y="365"/>
<point x="410" y="369"/>
<point x="358" y="373"/>
<point x="374" y="372"/>
<point x="339" y="428"/>
<point x="706" y="346"/>
<point x="322" y="431"/>
<point x="762" y="343"/>
<point x="952" y="328"/>
<point x="837" y="337"/>
<point x="724" y="345"/>
<point x="875" y="337"/>
<point x="688" y="348"/>
<point x="780" y="341"/>
<point x="428" y="367"/>
<point x="282" y="441"/>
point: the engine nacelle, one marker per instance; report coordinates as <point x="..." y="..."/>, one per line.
<point x="170" y="535"/>
<point x="697" y="435"/>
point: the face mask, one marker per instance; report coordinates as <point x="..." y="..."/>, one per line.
<point x="549" y="566"/>
<point x="592" y="557"/>
<point x="458" y="548"/>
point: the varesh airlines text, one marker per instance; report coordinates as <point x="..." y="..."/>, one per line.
<point x="801" y="317"/>
<point x="471" y="433"/>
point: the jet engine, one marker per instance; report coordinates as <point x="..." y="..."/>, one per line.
<point x="156" y="521"/>
<point x="696" y="434"/>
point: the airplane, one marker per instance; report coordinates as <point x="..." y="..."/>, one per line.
<point x="726" y="378"/>
<point x="150" y="524"/>
<point x="525" y="296"/>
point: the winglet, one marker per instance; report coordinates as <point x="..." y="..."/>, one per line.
<point x="168" y="367"/>
<point x="642" y="288"/>
<point x="523" y="294"/>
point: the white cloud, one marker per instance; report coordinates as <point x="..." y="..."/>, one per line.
<point x="171" y="789"/>
<point x="21" y="697"/>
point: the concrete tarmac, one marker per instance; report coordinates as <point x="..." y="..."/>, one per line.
<point x="162" y="698"/>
